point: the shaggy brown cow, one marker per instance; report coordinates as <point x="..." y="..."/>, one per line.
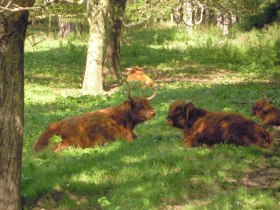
<point x="269" y="114"/>
<point x="203" y="127"/>
<point x="137" y="74"/>
<point x="99" y="127"/>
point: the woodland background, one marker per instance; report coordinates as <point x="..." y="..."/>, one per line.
<point x="215" y="52"/>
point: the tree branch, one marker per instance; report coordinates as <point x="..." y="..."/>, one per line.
<point x="10" y="7"/>
<point x="48" y="2"/>
<point x="128" y="25"/>
<point x="201" y="15"/>
<point x="16" y="8"/>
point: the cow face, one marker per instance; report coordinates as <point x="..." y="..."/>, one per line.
<point x="141" y="110"/>
<point x="260" y="107"/>
<point x="178" y="113"/>
<point x="138" y="71"/>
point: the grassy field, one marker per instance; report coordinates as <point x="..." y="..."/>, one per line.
<point x="156" y="171"/>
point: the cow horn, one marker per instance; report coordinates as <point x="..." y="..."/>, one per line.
<point x="152" y="96"/>
<point x="266" y="98"/>
<point x="188" y="109"/>
<point x="188" y="112"/>
<point x="189" y="101"/>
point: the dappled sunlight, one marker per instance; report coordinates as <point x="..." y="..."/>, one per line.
<point x="60" y="65"/>
<point x="156" y="171"/>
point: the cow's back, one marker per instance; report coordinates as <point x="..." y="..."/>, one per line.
<point x="225" y="127"/>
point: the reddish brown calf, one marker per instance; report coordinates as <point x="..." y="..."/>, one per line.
<point x="269" y="114"/>
<point x="204" y="127"/>
<point x="99" y="127"/>
<point x="137" y="74"/>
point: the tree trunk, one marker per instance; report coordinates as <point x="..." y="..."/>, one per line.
<point x="219" y="19"/>
<point x="12" y="34"/>
<point x="188" y="17"/>
<point x="49" y="24"/>
<point x="114" y="26"/>
<point x="207" y="17"/>
<point x="233" y="19"/>
<point x="97" y="14"/>
<point x="177" y="14"/>
<point x="226" y="24"/>
<point x="64" y="27"/>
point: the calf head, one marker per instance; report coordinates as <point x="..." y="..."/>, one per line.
<point x="269" y="114"/>
<point x="180" y="113"/>
<point x="140" y="108"/>
<point x="135" y="70"/>
<point x="137" y="74"/>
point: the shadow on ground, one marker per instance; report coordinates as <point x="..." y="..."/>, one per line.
<point x="163" y="169"/>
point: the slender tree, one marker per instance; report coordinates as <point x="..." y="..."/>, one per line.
<point x="97" y="12"/>
<point x="114" y="28"/>
<point x="13" y="24"/>
<point x="104" y="42"/>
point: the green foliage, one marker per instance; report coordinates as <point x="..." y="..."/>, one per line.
<point x="156" y="171"/>
<point x="257" y="51"/>
<point x="63" y="9"/>
<point x="154" y="10"/>
<point x="149" y="10"/>
<point x="268" y="12"/>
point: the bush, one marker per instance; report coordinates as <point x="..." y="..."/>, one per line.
<point x="268" y="14"/>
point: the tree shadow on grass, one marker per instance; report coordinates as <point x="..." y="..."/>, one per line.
<point x="130" y="174"/>
<point x="65" y="66"/>
<point x="155" y="170"/>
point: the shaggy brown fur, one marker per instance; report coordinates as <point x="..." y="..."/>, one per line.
<point x="203" y="127"/>
<point x="99" y="127"/>
<point x="137" y="74"/>
<point x="269" y="114"/>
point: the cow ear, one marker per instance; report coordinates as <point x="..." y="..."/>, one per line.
<point x="132" y="71"/>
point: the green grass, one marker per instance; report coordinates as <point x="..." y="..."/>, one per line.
<point x="156" y="171"/>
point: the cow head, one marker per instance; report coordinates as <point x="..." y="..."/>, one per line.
<point x="261" y="107"/>
<point x="140" y="108"/>
<point x="179" y="113"/>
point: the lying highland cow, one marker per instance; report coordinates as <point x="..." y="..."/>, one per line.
<point x="99" y="127"/>
<point x="269" y="114"/>
<point x="203" y="127"/>
<point x="137" y="74"/>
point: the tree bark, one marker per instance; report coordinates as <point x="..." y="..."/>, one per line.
<point x="219" y="19"/>
<point x="226" y="24"/>
<point x="65" y="27"/>
<point x="97" y="14"/>
<point x="177" y="13"/>
<point x="188" y="17"/>
<point x="49" y="24"/>
<point x="114" y="27"/>
<point x="12" y="35"/>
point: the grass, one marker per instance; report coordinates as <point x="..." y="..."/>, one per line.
<point x="156" y="171"/>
